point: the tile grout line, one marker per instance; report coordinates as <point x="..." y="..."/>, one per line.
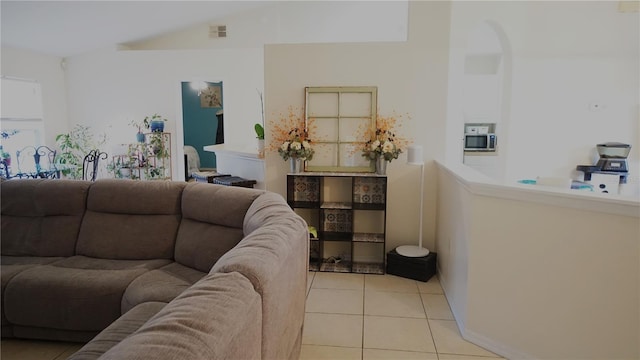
<point x="422" y="296"/>
<point x="364" y="286"/>
<point x="433" y="340"/>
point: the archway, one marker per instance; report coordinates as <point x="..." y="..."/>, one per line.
<point x="486" y="94"/>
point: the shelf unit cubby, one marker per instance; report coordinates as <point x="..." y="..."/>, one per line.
<point x="348" y="211"/>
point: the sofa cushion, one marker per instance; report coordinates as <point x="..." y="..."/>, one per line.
<point x="217" y="318"/>
<point x="162" y="284"/>
<point x="13" y="265"/>
<point x="207" y="230"/>
<point x="130" y="220"/>
<point x="126" y="325"/>
<point x="41" y="217"/>
<point x="90" y="289"/>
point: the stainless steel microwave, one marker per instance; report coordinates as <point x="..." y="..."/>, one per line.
<point x="480" y="142"/>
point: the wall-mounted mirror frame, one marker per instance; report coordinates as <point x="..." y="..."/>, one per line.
<point x="338" y="118"/>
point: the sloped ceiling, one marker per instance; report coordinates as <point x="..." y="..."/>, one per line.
<point x="65" y="28"/>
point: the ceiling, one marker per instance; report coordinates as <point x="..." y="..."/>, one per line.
<point x="65" y="28"/>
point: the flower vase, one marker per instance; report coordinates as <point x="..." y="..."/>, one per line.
<point x="260" y="148"/>
<point x="381" y="166"/>
<point x="140" y="137"/>
<point x="296" y="165"/>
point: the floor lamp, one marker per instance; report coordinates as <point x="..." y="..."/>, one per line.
<point x="414" y="157"/>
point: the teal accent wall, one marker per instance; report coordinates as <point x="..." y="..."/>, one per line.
<point x="200" y="123"/>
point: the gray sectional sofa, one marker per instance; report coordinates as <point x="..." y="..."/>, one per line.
<point x="153" y="269"/>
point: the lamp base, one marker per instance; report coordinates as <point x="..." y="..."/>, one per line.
<point x="412" y="251"/>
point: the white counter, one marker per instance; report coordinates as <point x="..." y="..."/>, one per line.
<point x="535" y="272"/>
<point x="239" y="161"/>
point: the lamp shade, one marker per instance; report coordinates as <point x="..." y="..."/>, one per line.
<point x="414" y="155"/>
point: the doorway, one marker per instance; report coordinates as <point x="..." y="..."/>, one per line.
<point x="202" y="113"/>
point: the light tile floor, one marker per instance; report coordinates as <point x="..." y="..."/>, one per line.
<point x="356" y="316"/>
<point x="348" y="316"/>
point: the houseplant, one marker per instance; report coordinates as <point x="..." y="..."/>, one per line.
<point x="120" y="167"/>
<point x="140" y="137"/>
<point x="259" y="129"/>
<point x="155" y="123"/>
<point x="74" y="146"/>
<point x="147" y="157"/>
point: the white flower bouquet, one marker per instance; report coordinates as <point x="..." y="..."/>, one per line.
<point x="383" y="145"/>
<point x="297" y="145"/>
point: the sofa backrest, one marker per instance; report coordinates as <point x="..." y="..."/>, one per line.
<point x="41" y="217"/>
<point x="212" y="219"/>
<point x="127" y="219"/>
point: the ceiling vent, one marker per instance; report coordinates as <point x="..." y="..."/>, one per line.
<point x="217" y="31"/>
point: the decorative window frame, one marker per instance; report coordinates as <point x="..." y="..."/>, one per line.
<point x="337" y="118"/>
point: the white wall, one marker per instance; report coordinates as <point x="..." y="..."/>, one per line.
<point x="411" y="78"/>
<point x="539" y="274"/>
<point x="565" y="56"/>
<point x="110" y="88"/>
<point x="290" y="22"/>
<point x="46" y="70"/>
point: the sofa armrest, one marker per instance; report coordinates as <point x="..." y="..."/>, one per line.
<point x="217" y="318"/>
<point x="274" y="257"/>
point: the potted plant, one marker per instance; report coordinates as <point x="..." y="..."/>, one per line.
<point x="123" y="166"/>
<point x="139" y="125"/>
<point x="5" y="156"/>
<point x="260" y="137"/>
<point x="154" y="155"/>
<point x="74" y="146"/>
<point x="259" y="128"/>
<point x="155" y="122"/>
<point x="119" y="168"/>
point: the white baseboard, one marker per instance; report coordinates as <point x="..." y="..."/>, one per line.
<point x="498" y="348"/>
<point x="501" y="349"/>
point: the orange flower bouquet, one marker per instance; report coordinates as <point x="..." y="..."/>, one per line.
<point x="290" y="136"/>
<point x="383" y="142"/>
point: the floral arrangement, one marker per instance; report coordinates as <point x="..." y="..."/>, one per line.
<point x="296" y="146"/>
<point x="384" y="142"/>
<point x="290" y="136"/>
